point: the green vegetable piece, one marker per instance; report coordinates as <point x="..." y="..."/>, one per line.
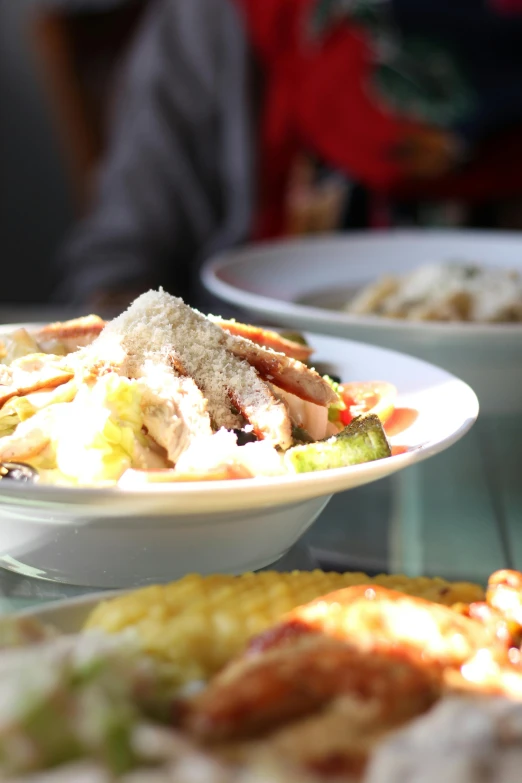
<point x="363" y="440"/>
<point x="294" y="337"/>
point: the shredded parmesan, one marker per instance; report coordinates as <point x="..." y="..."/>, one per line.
<point x="161" y="328"/>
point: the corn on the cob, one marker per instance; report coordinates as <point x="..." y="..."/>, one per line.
<point x="199" y="623"/>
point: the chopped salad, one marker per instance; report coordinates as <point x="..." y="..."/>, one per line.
<point x="163" y="393"/>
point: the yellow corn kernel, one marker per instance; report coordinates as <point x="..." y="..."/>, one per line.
<point x="199" y="623"/>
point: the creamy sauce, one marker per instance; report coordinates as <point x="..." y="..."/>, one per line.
<point x="400" y="420"/>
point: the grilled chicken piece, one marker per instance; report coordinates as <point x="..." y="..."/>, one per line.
<point x="471" y="655"/>
<point x="70" y="335"/>
<point x="17" y="343"/>
<point x="504" y="593"/>
<point x="373" y="617"/>
<point x="31" y="373"/>
<point x="230" y="382"/>
<point x="265" y="337"/>
<point x="174" y="410"/>
<point x="29" y="439"/>
<point x="507" y="632"/>
<point x="80" y="332"/>
<point x="265" y="413"/>
<point x="286" y="373"/>
<point x="501" y="612"/>
<point x="161" y="328"/>
<point x="488" y="672"/>
<point x="255" y="695"/>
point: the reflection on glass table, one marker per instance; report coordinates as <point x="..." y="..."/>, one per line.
<point x="457" y="515"/>
<point x="454" y="515"/>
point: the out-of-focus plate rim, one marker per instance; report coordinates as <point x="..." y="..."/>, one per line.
<point x="46" y="611"/>
<point x="319" y="315"/>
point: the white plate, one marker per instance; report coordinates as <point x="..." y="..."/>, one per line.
<point x="119" y="538"/>
<point x="68" y="615"/>
<point x="299" y="283"/>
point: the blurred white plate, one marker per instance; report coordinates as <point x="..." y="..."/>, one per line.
<point x="304" y="283"/>
<point x="119" y="538"/>
<point x="68" y="615"/>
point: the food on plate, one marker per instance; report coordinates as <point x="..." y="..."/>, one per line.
<point x="198" y="623"/>
<point x="361" y="441"/>
<point x="262" y="692"/>
<point x="365" y="684"/>
<point x="452" y="291"/>
<point x="328" y="684"/>
<point x="364" y="398"/>
<point x="163" y="393"/>
<point x="76" y="696"/>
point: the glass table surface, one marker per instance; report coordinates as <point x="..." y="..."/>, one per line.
<point x="457" y="515"/>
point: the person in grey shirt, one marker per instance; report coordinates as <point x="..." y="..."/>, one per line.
<point x="176" y="184"/>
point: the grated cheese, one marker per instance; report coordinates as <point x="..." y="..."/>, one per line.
<point x="161" y="328"/>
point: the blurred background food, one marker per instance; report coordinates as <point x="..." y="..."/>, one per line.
<point x="198" y="624"/>
<point x="434" y="142"/>
<point x="444" y="291"/>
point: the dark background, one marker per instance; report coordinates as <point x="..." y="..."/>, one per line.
<point x="35" y="199"/>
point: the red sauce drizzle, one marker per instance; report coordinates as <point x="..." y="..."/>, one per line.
<point x="400" y="420"/>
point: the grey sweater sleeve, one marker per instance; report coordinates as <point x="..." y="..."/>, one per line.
<point x="176" y="183"/>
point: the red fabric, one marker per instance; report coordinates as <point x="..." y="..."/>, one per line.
<point x="507" y="6"/>
<point x="318" y="97"/>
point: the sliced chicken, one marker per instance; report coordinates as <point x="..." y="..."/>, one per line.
<point x="268" y="416"/>
<point x="286" y="373"/>
<point x="29" y="439"/>
<point x="70" y="335"/>
<point x="31" y="373"/>
<point x="264" y="337"/>
<point x="174" y="410"/>
<point x="306" y="415"/>
<point x="161" y="328"/>
<point x="17" y="343"/>
<point x="80" y="332"/>
<point x="35" y="362"/>
<point x="236" y="385"/>
<point x="230" y="371"/>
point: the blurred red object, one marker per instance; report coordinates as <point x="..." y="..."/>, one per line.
<point x="317" y="95"/>
<point x="507" y="6"/>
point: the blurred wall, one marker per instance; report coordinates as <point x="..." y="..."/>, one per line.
<point x="35" y="204"/>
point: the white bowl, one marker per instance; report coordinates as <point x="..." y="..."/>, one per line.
<point x="300" y="283"/>
<point x="117" y="538"/>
